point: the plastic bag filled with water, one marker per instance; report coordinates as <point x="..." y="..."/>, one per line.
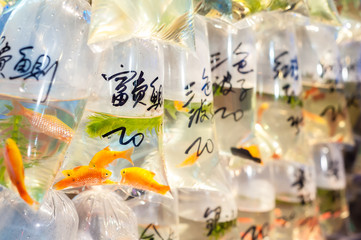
<point x="56" y="218"/>
<point x="45" y="75"/>
<point x="119" y="139"/>
<point x="206" y="206"/>
<point x="280" y="122"/>
<point x="325" y="108"/>
<point x="234" y="72"/>
<point x="104" y="215"/>
<point x="121" y="20"/>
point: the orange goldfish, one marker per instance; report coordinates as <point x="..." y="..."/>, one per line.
<point x="261" y="109"/>
<point x="314" y="117"/>
<point x="104" y="157"/>
<point x="15" y="169"/>
<point x="179" y="106"/>
<point x="310" y="92"/>
<point x="70" y="172"/>
<point x="142" y="179"/>
<point x="50" y="125"/>
<point x="251" y="153"/>
<point x="276" y="156"/>
<point x="244" y="220"/>
<point x="189" y="160"/>
<point x="84" y="175"/>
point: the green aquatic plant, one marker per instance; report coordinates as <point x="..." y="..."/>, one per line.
<point x="10" y="128"/>
<point x="222" y="228"/>
<point x="101" y="123"/>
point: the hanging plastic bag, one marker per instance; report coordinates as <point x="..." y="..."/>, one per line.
<point x="233" y="64"/>
<point x="119" y="139"/>
<point x="43" y="91"/>
<point x="104" y="215"/>
<point x="56" y="218"/>
<point x="279" y="87"/>
<point x="331" y="192"/>
<point x="206" y="206"/>
<point x="325" y="107"/>
<point x="114" y="20"/>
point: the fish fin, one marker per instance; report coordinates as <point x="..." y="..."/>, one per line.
<point x="108" y="181"/>
<point x="61" y="184"/>
<point x="127" y="155"/>
<point x="163" y="189"/>
<point x="17" y="110"/>
<point x="26" y="197"/>
<point x="77" y="168"/>
<point x="189" y="160"/>
<point x="244" y="153"/>
<point x="107" y="148"/>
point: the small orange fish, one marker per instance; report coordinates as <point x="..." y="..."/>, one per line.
<point x="180" y="106"/>
<point x="142" y="179"/>
<point x="310" y="92"/>
<point x="261" y="109"/>
<point x="319" y="96"/>
<point x="84" y="175"/>
<point x="251" y="153"/>
<point x="189" y="160"/>
<point x="15" y="169"/>
<point x="104" y="157"/>
<point x="244" y="220"/>
<point x="276" y="156"/>
<point x="70" y="172"/>
<point x="314" y="117"/>
<point x="50" y="125"/>
<point x="325" y="216"/>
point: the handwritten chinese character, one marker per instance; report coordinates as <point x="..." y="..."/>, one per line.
<point x="198" y="114"/>
<point x="212" y="222"/>
<point x="139" y="90"/>
<point x="206" y="88"/>
<point x="243" y="62"/>
<point x="301" y="179"/>
<point x="295" y="122"/>
<point x="216" y="60"/>
<point x="4" y="58"/>
<point x="156" y="98"/>
<point x="284" y="69"/>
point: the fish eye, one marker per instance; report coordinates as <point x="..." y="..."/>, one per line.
<point x="106" y="174"/>
<point x="68" y="174"/>
<point x="123" y="171"/>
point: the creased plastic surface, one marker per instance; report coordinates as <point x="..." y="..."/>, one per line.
<point x="121" y="20"/>
<point x="104" y="215"/>
<point x="45" y="77"/>
<point x="56" y="218"/>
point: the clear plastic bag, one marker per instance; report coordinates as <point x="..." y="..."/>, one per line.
<point x="104" y="215"/>
<point x="56" y="218"/>
<point x="119" y="139"/>
<point x="280" y="125"/>
<point x="325" y="107"/>
<point x="121" y="20"/>
<point x="44" y="87"/>
<point x="234" y="73"/>
<point x="331" y="188"/>
<point x="206" y="205"/>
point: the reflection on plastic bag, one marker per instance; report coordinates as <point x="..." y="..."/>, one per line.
<point x="104" y="215"/>
<point x="118" y="21"/>
<point x="42" y="94"/>
<point x="56" y="218"/>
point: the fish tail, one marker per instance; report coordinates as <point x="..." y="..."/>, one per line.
<point x="127" y="155"/>
<point x="62" y="184"/>
<point x="26" y="197"/>
<point x="18" y="109"/>
<point x="163" y="189"/>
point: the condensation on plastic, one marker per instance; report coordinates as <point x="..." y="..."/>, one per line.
<point x="56" y="218"/>
<point x="325" y="107"/>
<point x="120" y="20"/>
<point x="47" y="68"/>
<point x="104" y="215"/>
<point x="189" y="128"/>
